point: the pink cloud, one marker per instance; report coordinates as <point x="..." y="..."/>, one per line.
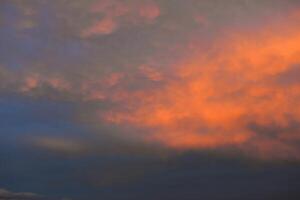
<point x="149" y="11"/>
<point x="30" y="83"/>
<point x="201" y="20"/>
<point x="103" y="27"/>
<point x="116" y="14"/>
<point x="150" y="73"/>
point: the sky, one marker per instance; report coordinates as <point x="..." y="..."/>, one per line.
<point x="149" y="99"/>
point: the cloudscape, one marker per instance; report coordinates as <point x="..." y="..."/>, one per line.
<point x="149" y="99"/>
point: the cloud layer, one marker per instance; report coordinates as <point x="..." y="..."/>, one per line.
<point x="174" y="76"/>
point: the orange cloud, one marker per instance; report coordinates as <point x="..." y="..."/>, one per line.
<point x="222" y="97"/>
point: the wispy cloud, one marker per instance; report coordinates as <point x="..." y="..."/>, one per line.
<point x="8" y="195"/>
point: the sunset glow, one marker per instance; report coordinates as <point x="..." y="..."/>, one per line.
<point x="150" y="99"/>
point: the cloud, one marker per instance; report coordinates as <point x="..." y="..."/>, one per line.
<point x="218" y="85"/>
<point x="8" y="195"/>
<point x="150" y="11"/>
<point x="219" y="94"/>
<point x="63" y="146"/>
<point x="151" y="73"/>
<point x="5" y="194"/>
<point x="102" y="27"/>
<point x="116" y="14"/>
